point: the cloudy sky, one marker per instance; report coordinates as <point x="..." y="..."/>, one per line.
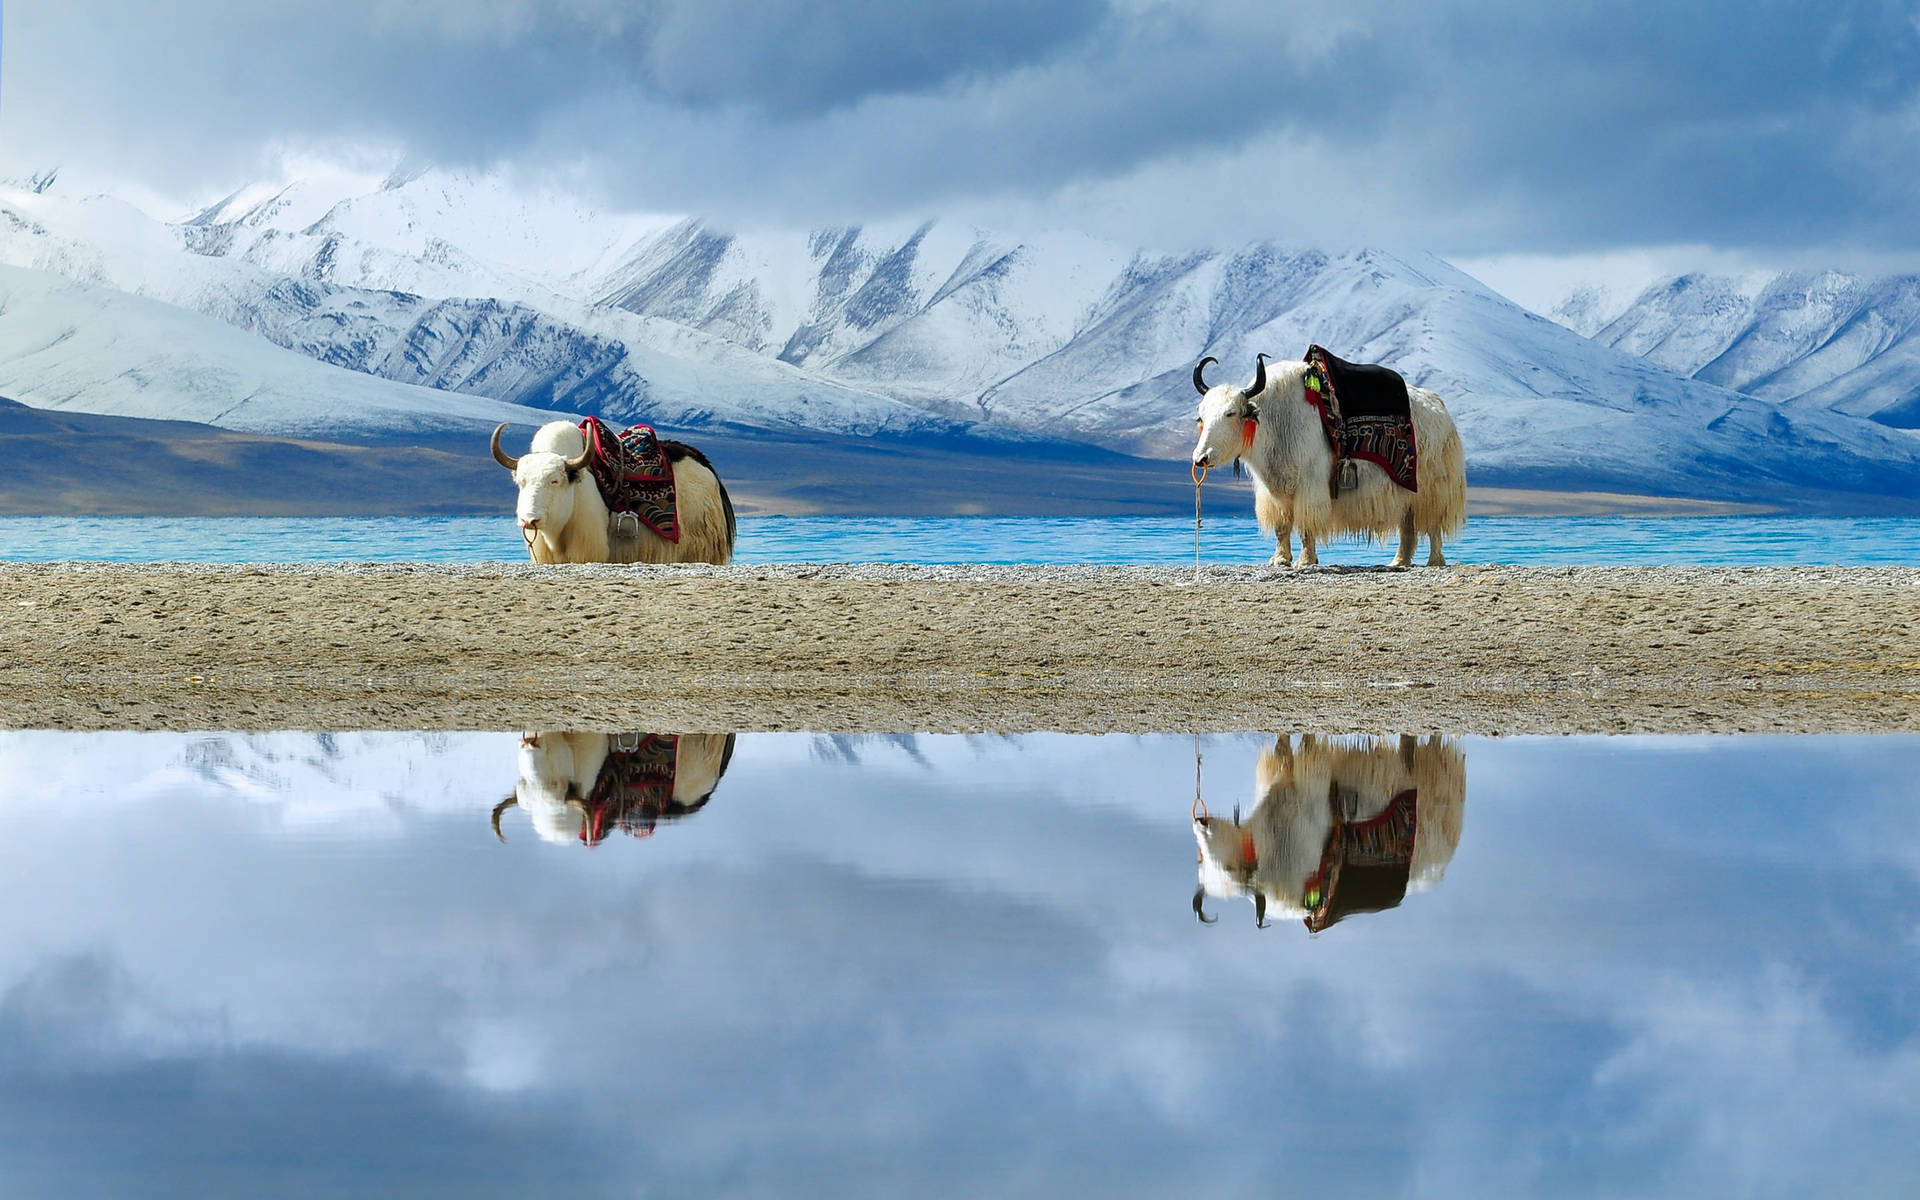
<point x="1774" y="129"/>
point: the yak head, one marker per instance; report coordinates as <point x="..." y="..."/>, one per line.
<point x="1229" y="416"/>
<point x="550" y="786"/>
<point x="545" y="476"/>
<point x="1272" y="857"/>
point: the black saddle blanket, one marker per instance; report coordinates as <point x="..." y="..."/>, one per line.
<point x="1366" y="413"/>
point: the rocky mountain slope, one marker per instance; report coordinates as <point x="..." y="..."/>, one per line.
<point x="469" y="286"/>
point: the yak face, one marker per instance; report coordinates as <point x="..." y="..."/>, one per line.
<point x="1271" y="859"/>
<point x="549" y="785"/>
<point x="1229" y="416"/>
<point x="546" y="492"/>
<point x="1226" y="426"/>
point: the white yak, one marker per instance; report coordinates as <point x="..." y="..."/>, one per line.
<point x="564" y="519"/>
<point x="575" y="786"/>
<point x="1272" y="428"/>
<point x="1338" y="826"/>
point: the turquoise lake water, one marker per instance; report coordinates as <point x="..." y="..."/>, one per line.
<point x="1227" y="538"/>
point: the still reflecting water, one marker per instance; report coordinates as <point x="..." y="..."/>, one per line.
<point x="303" y="963"/>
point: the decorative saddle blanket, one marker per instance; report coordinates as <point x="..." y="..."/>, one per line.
<point x="635" y="476"/>
<point x="1367" y="864"/>
<point x="1367" y="415"/>
<point x="634" y="789"/>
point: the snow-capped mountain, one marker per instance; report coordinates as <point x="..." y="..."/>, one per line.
<point x="1806" y="339"/>
<point x="78" y="347"/>
<point x="468" y="285"/>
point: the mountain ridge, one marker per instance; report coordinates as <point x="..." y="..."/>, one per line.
<point x="926" y="329"/>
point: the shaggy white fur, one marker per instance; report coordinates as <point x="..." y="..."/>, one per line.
<point x="1287" y="829"/>
<point x="565" y="519"/>
<point x="558" y="770"/>
<point x="1290" y="460"/>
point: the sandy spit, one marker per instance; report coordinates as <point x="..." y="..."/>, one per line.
<point x="1478" y="649"/>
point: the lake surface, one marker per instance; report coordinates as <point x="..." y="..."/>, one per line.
<point x="297" y="964"/>
<point x="1229" y="535"/>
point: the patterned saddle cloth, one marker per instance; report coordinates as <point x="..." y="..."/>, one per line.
<point x="1366" y="414"/>
<point x="635" y="477"/>
<point x="1367" y="864"/>
<point x="634" y="790"/>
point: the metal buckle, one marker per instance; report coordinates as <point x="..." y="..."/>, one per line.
<point x="626" y="525"/>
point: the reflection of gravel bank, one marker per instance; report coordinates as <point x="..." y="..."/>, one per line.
<point x="1466" y="649"/>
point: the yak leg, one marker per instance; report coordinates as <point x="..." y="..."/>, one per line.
<point x="1282" y="547"/>
<point x="1434" y="557"/>
<point x="1408" y="540"/>
<point x="1309" y="557"/>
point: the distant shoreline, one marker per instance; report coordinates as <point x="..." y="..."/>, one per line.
<point x="1477" y="649"/>
<point x="165" y="468"/>
<point x="1481" y="502"/>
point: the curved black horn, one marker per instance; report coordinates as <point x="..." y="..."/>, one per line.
<point x="501" y="456"/>
<point x="1259" y="910"/>
<point x="1259" y="383"/>
<point x="499" y="808"/>
<point x="1199" y="898"/>
<point x="1199" y="380"/>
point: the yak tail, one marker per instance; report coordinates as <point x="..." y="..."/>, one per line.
<point x="675" y="451"/>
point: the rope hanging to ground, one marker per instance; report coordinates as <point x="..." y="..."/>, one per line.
<point x="1199" y="473"/>
<point x="1199" y="805"/>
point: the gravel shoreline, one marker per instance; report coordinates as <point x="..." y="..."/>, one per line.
<point x="869" y="647"/>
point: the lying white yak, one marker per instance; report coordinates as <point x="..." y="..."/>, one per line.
<point x="1270" y="426"/>
<point x="564" y="519"/>
<point x="570" y="780"/>
<point x="1338" y="827"/>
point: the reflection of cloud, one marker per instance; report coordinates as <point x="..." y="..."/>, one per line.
<point x="1754" y="1089"/>
<point x="963" y="962"/>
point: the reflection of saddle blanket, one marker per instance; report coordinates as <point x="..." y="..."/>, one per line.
<point x="1366" y="413"/>
<point x="635" y="476"/>
<point x="1368" y="863"/>
<point x="635" y="785"/>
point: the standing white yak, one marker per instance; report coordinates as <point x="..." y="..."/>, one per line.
<point x="564" y="518"/>
<point x="1272" y="427"/>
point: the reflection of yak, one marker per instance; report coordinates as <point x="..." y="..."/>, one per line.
<point x="1337" y="828"/>
<point x="582" y="786"/>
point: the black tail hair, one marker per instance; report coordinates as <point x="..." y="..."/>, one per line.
<point x="676" y="451"/>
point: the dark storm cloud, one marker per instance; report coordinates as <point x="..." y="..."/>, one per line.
<point x="1470" y="127"/>
<point x="791" y="55"/>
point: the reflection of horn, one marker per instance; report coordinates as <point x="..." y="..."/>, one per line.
<point x="501" y="456"/>
<point x="1199" y="381"/>
<point x="499" y="808"/>
<point x="1259" y="910"/>
<point x="1199" y="898"/>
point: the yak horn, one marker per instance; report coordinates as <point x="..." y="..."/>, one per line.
<point x="574" y="464"/>
<point x="1259" y="383"/>
<point x="1259" y="910"/>
<point x="499" y="808"/>
<point x="501" y="456"/>
<point x="1199" y="898"/>
<point x="1199" y="380"/>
